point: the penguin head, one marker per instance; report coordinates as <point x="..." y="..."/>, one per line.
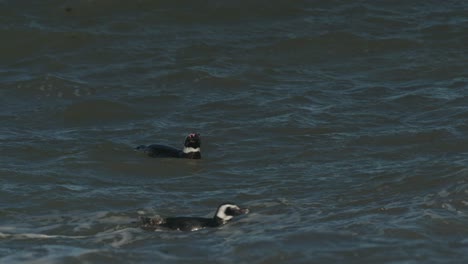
<point x="192" y="141"/>
<point x="227" y="211"/>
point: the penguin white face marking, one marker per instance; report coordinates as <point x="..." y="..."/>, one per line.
<point x="189" y="150"/>
<point x="221" y="213"/>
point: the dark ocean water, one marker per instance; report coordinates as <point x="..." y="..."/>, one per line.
<point x="341" y="125"/>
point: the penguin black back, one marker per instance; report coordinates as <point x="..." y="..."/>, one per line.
<point x="191" y="149"/>
<point x="223" y="215"/>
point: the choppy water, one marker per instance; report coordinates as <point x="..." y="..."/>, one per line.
<point x="341" y="125"/>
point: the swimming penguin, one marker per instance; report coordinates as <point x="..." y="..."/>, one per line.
<point x="225" y="212"/>
<point x="191" y="149"/>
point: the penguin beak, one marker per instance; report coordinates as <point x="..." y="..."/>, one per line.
<point x="240" y="211"/>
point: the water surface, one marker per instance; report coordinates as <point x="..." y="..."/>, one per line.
<point x="340" y="125"/>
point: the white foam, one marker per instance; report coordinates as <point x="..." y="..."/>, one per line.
<point x="117" y="238"/>
<point x="35" y="236"/>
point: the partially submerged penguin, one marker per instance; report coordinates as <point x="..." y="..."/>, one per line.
<point x="191" y="149"/>
<point x="224" y="213"/>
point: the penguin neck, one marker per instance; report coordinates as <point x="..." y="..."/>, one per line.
<point x="191" y="153"/>
<point x="219" y="221"/>
<point x="188" y="150"/>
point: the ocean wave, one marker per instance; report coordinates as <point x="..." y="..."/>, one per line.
<point x="339" y="44"/>
<point x="99" y="111"/>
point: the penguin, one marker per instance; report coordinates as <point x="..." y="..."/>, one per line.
<point x="224" y="213"/>
<point x="191" y="149"/>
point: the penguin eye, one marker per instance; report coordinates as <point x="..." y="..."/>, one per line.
<point x="228" y="211"/>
